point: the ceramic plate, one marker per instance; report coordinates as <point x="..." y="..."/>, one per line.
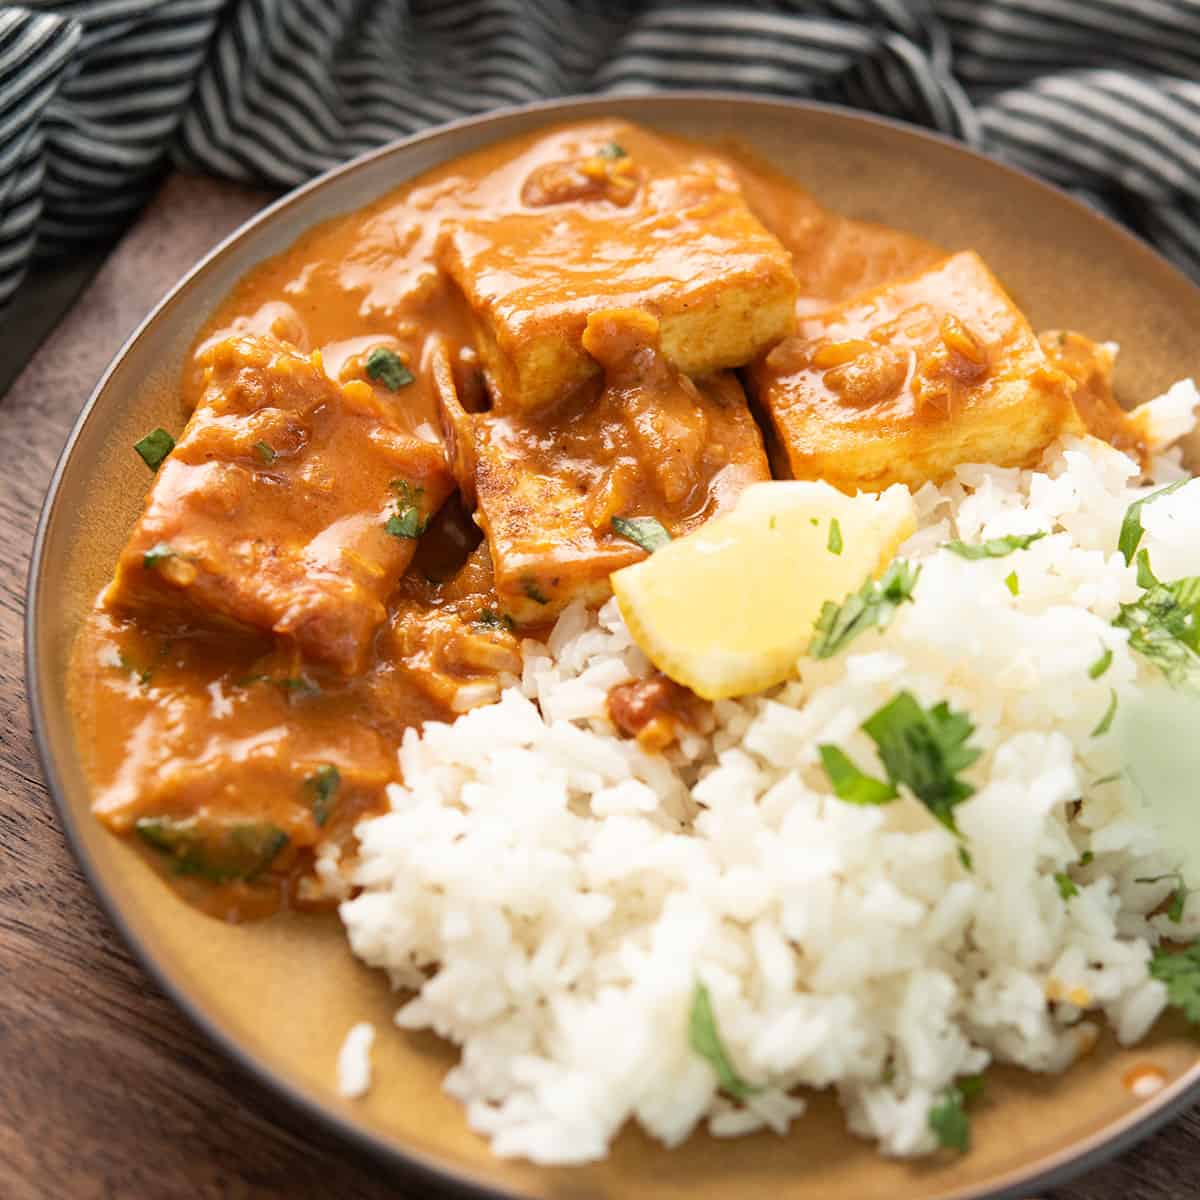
<point x="280" y="995"/>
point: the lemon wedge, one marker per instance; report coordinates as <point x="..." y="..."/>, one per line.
<point x="730" y="608"/>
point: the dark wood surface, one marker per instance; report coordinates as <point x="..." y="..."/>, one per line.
<point x="105" y="1089"/>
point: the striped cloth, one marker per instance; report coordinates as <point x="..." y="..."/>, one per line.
<point x="97" y="96"/>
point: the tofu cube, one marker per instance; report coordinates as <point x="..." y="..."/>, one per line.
<point x="677" y="240"/>
<point x="648" y="442"/>
<point x="903" y="383"/>
<point x="273" y="511"/>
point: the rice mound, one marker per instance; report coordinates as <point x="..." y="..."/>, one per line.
<point x="551" y="895"/>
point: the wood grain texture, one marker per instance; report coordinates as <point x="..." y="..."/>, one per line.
<point x="105" y="1089"/>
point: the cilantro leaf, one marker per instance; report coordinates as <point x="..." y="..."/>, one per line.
<point x="1067" y="887"/>
<point x="385" y="366"/>
<point x="993" y="547"/>
<point x="925" y="750"/>
<point x="871" y="607"/>
<point x="706" y="1041"/>
<point x="530" y="588"/>
<point x="1178" y="896"/>
<point x="154" y="447"/>
<point x="1101" y="664"/>
<point x="1012" y="583"/>
<point x="216" y="852"/>
<point x="323" y="785"/>
<point x="948" y="1118"/>
<point x="264" y="453"/>
<point x="612" y="150"/>
<point x="851" y="784"/>
<point x="1164" y="627"/>
<point x="407" y="521"/>
<point x="1111" y="711"/>
<point x="834" y="545"/>
<point x="1181" y="973"/>
<point x="1131" y="526"/>
<point x="646" y="532"/>
<point x="490" y="619"/>
<point x="157" y="553"/>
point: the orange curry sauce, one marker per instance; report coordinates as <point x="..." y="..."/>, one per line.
<point x="403" y="442"/>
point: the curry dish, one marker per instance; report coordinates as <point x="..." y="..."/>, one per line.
<point x="431" y="424"/>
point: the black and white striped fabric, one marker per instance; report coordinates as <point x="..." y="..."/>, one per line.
<point x="96" y="96"/>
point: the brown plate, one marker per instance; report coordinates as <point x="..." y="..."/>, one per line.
<point x="279" y="996"/>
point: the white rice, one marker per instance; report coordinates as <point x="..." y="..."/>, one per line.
<point x="549" y="895"/>
<point x="354" y="1061"/>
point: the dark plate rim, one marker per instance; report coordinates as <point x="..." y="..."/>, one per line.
<point x="1058" y="1168"/>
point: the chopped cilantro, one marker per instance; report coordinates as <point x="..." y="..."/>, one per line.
<point x="157" y="553"/>
<point x="1164" y="626"/>
<point x="964" y="857"/>
<point x="993" y="547"/>
<point x="491" y="619"/>
<point x="323" y="786"/>
<point x="1178" y="896"/>
<point x="706" y="1041"/>
<point x="1181" y="973"/>
<point x="1012" y="583"/>
<point x="1131" y="526"/>
<point x="646" y="532"/>
<point x="218" y="853"/>
<point x="813" y="521"/>
<point x="612" y="150"/>
<point x="948" y="1118"/>
<point x="1085" y="859"/>
<point x="1067" y="887"/>
<point x="834" y="545"/>
<point x="924" y="749"/>
<point x="1105" y="723"/>
<point x="154" y="447"/>
<point x="264" y="453"/>
<point x="385" y="366"/>
<point x="851" y="784"/>
<point x="407" y="521"/>
<point x="1101" y="664"/>
<point x="871" y="607"/>
<point x="296" y="684"/>
<point x="126" y="664"/>
<point x="531" y="589"/>
<point x="1145" y="573"/>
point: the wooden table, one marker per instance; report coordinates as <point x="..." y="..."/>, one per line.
<point x="105" y="1089"/>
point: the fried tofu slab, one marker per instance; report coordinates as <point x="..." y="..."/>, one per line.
<point x="635" y="223"/>
<point x="905" y="382"/>
<point x="254" y="520"/>
<point x="645" y="442"/>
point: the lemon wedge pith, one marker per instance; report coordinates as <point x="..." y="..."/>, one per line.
<point x="730" y="608"/>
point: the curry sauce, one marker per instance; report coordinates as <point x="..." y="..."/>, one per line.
<point x="420" y="432"/>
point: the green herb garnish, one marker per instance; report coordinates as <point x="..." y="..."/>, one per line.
<point x="1085" y="859"/>
<point x="1164" y="625"/>
<point x="1101" y="664"/>
<point x="924" y="749"/>
<point x="1181" y="973"/>
<point x="706" y="1041"/>
<point x="1012" y="583"/>
<point x="1178" y="896"/>
<point x="993" y="547"/>
<point x="407" y="521"/>
<point x="295" y="683"/>
<point x="1105" y="723"/>
<point x="646" y="532"/>
<point x="264" y="453"/>
<point x="1067" y="887"/>
<point x="611" y="150"/>
<point x="154" y="447"/>
<point x="1131" y="526"/>
<point x="491" y="619"/>
<point x="157" y="553"/>
<point x="323" y="786"/>
<point x="851" y="784"/>
<point x="385" y="366"/>
<point x="219" y="853"/>
<point x="834" y="545"/>
<point x="535" y="593"/>
<point x="871" y="607"/>
<point x="948" y="1118"/>
<point x="125" y="664"/>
